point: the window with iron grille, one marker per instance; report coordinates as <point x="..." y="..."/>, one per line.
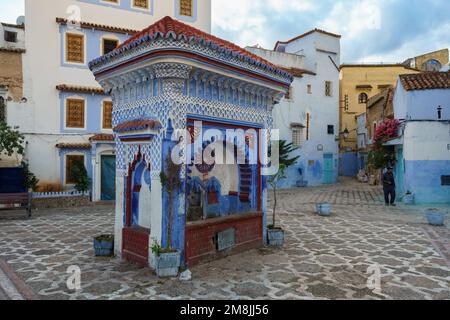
<point x="70" y="160"/>
<point x="186" y="8"/>
<point x="109" y="45"/>
<point x="10" y="36"/>
<point x="107" y="114"/>
<point x="363" y="97"/>
<point x="297" y="136"/>
<point x="75" y="113"/>
<point x="75" y="48"/>
<point x="445" y="180"/>
<point x="141" y="4"/>
<point x="328" y="89"/>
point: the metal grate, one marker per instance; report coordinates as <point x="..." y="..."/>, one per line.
<point x="445" y="180"/>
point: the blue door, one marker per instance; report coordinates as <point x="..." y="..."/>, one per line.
<point x="400" y="172"/>
<point x="108" y="178"/>
<point x="328" y="171"/>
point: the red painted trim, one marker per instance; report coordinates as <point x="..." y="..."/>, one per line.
<point x="190" y="55"/>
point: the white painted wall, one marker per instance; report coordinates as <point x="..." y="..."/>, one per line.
<point x="421" y="104"/>
<point x="20" y="44"/>
<point x="323" y="110"/>
<point x="427" y="140"/>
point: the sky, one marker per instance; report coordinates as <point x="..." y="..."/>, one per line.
<point x="372" y="30"/>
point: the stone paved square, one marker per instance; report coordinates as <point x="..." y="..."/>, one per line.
<point x="323" y="258"/>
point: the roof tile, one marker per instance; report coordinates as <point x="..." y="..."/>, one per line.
<point x="425" y="81"/>
<point x="138" y="124"/>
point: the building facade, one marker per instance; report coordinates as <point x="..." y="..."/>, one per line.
<point x="308" y="115"/>
<point x="68" y="116"/>
<point x="422" y="103"/>
<point x="181" y="94"/>
<point x="12" y="100"/>
<point x="359" y="82"/>
<point x="432" y="61"/>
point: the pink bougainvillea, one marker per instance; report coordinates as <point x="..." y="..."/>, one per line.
<point x="388" y="129"/>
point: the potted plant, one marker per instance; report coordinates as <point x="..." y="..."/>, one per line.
<point x="275" y="234"/>
<point x="436" y="217"/>
<point x="408" y="198"/>
<point x="323" y="209"/>
<point x="104" y="245"/>
<point x="168" y="259"/>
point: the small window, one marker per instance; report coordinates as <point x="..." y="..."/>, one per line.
<point x="309" y="89"/>
<point x="330" y="129"/>
<point x="107" y="114"/>
<point x="70" y="160"/>
<point x="75" y="113"/>
<point x="2" y="109"/>
<point x="186" y="8"/>
<point x="445" y="180"/>
<point x="143" y="4"/>
<point x="363" y="97"/>
<point x="288" y="95"/>
<point x="109" y="45"/>
<point x="328" y="89"/>
<point x="10" y="36"/>
<point x="75" y="48"/>
<point x="297" y="135"/>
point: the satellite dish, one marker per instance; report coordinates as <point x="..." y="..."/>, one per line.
<point x="20" y="20"/>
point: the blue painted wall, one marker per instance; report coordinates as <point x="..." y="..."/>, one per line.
<point x="93" y="44"/>
<point x="93" y="114"/>
<point x="423" y="178"/>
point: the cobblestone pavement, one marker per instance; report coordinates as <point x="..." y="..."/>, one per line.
<point x="323" y="258"/>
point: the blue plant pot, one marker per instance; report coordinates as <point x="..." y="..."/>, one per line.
<point x="168" y="264"/>
<point x="102" y="247"/>
<point x="275" y="237"/>
<point x="323" y="209"/>
<point x="436" y="217"/>
<point x="408" y="199"/>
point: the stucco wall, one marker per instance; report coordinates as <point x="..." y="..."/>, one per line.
<point x="427" y="158"/>
<point x="11" y="74"/>
<point x="356" y="75"/>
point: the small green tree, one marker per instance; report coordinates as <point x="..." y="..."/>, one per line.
<point x="30" y="180"/>
<point x="170" y="180"/>
<point x="80" y="176"/>
<point x="285" y="161"/>
<point x="10" y="140"/>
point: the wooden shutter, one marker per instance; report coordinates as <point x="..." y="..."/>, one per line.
<point x="186" y="8"/>
<point x="141" y="4"/>
<point x="75" y="113"/>
<point x="107" y="114"/>
<point x="75" y="48"/>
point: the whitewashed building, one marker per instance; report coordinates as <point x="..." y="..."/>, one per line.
<point x="309" y="114"/>
<point x="422" y="104"/>
<point x="68" y="115"/>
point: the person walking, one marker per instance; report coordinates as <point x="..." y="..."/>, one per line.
<point x="389" y="187"/>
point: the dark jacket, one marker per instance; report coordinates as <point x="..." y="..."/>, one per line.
<point x="388" y="180"/>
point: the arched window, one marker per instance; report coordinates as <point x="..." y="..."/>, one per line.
<point x="431" y="65"/>
<point x="2" y="109"/>
<point x="362" y="98"/>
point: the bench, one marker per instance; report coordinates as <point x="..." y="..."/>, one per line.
<point x="11" y="200"/>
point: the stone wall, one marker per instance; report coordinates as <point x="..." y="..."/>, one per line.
<point x="11" y="73"/>
<point x="61" y="202"/>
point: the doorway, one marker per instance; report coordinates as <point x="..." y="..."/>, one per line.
<point x="108" y="178"/>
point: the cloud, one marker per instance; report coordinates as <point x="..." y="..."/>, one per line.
<point x="372" y="30"/>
